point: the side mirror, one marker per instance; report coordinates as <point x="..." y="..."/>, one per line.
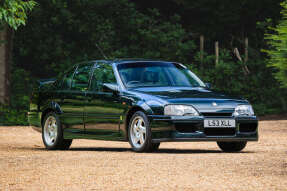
<point x="208" y="85"/>
<point x="111" y="88"/>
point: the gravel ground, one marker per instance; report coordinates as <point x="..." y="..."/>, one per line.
<point x="102" y="165"/>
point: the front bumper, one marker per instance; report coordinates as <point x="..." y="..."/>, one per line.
<point x="189" y="128"/>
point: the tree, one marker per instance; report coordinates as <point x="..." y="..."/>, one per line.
<point x="226" y="21"/>
<point x="277" y="53"/>
<point x="69" y="32"/>
<point x="13" y="13"/>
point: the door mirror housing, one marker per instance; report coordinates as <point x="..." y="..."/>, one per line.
<point x="110" y="88"/>
<point x="208" y="85"/>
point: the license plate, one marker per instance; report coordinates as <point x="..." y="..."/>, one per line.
<point x="222" y="123"/>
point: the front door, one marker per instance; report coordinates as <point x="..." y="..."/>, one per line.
<point x="103" y="110"/>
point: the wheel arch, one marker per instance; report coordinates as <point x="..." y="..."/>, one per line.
<point x="139" y="107"/>
<point x="52" y="107"/>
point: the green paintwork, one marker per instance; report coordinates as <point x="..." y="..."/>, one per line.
<point x="96" y="105"/>
<point x="72" y="104"/>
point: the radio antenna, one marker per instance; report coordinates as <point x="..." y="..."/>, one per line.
<point x="101" y="51"/>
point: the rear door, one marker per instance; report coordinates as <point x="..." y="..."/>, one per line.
<point x="72" y="99"/>
<point x="103" y="109"/>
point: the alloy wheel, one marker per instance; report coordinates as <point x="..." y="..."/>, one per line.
<point x="138" y="132"/>
<point x="50" y="131"/>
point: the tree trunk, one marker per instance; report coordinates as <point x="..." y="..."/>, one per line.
<point x="6" y="35"/>
<point x="201" y="50"/>
<point x="216" y="53"/>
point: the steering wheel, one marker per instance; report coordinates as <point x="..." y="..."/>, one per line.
<point x="132" y="82"/>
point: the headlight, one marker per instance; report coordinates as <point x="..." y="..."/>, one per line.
<point x="243" y="110"/>
<point x="180" y="110"/>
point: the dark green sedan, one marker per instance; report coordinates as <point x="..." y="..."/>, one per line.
<point x="144" y="102"/>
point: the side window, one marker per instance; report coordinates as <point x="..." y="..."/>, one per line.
<point x="102" y="74"/>
<point x="81" y="78"/>
<point x="67" y="82"/>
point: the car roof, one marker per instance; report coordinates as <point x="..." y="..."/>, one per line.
<point x="131" y="60"/>
<point x="123" y="60"/>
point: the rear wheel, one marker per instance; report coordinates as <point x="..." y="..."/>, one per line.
<point x="232" y="146"/>
<point x="139" y="134"/>
<point x="52" y="133"/>
<point x="154" y="147"/>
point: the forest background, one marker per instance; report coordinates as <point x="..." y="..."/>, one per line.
<point x="59" y="33"/>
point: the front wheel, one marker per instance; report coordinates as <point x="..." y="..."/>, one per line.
<point x="139" y="133"/>
<point x="232" y="146"/>
<point x="52" y="133"/>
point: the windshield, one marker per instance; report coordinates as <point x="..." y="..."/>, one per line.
<point x="157" y="74"/>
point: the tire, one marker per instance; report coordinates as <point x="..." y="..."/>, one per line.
<point x="232" y="146"/>
<point x="139" y="133"/>
<point x="52" y="133"/>
<point x="154" y="147"/>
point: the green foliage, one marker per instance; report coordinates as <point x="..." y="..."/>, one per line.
<point x="11" y="116"/>
<point x="259" y="87"/>
<point x="60" y="33"/>
<point x="68" y="32"/>
<point x="226" y="21"/>
<point x="278" y="47"/>
<point x="16" y="112"/>
<point x="14" y="12"/>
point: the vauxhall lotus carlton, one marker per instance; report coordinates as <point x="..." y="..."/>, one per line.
<point x="144" y="102"/>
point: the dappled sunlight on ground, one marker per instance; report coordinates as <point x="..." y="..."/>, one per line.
<point x="103" y="165"/>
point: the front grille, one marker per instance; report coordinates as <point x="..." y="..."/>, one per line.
<point x="247" y="127"/>
<point x="219" y="131"/>
<point x="187" y="127"/>
<point x="213" y="114"/>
